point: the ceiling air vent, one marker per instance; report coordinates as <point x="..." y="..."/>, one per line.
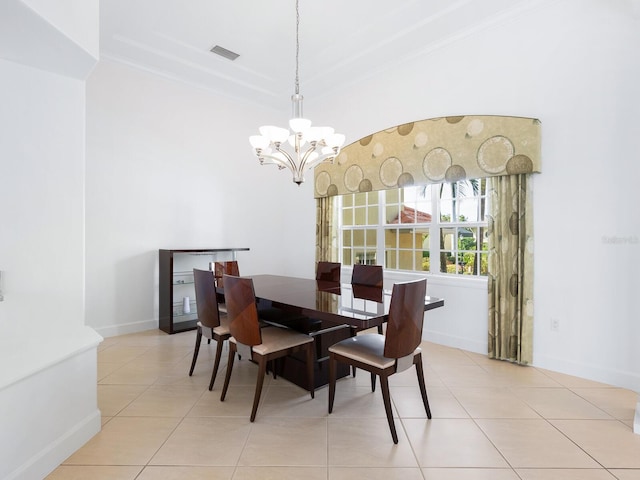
<point x="223" y="52"/>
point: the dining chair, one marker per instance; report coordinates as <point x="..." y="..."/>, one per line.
<point x="211" y="324"/>
<point x="260" y="345"/>
<point x="220" y="269"/>
<point x="384" y="355"/>
<point x="369" y="275"/>
<point x="328" y="271"/>
<point x="225" y="268"/>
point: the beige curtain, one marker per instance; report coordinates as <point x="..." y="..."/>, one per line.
<point x="510" y="242"/>
<point x="326" y="230"/>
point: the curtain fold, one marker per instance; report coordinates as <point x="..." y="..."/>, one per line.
<point x="326" y="231"/>
<point x="510" y="278"/>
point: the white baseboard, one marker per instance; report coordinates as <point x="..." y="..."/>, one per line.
<point x="42" y="463"/>
<point x="453" y="341"/>
<point x="126" y="328"/>
<point x="597" y="373"/>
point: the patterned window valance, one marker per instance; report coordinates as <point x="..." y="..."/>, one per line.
<point x="444" y="149"/>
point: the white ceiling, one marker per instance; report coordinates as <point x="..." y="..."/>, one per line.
<point x="341" y="41"/>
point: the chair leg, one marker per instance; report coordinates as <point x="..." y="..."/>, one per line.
<point x="353" y="367"/>
<point x="227" y="377"/>
<point x="380" y="329"/>
<point x="332" y="381"/>
<point x="262" y="371"/>
<point x="310" y="361"/>
<point x="423" y="388"/>
<point x="373" y="382"/>
<point x="195" y="351"/>
<point x="216" y="363"/>
<point x="384" y="385"/>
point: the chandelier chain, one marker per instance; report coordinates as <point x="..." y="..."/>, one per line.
<point x="297" y="47"/>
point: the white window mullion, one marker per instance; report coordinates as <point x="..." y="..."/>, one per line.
<point x="380" y="250"/>
<point x="434" y="232"/>
<point x="338" y="207"/>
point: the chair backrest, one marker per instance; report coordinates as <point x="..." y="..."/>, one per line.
<point x="328" y="271"/>
<point x="206" y="302"/>
<point x="242" y="311"/>
<point x="225" y="268"/>
<point x="371" y="275"/>
<point x="406" y="317"/>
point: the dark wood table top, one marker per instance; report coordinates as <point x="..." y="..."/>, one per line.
<point x="333" y="304"/>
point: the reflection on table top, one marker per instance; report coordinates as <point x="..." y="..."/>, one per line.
<point x="337" y="303"/>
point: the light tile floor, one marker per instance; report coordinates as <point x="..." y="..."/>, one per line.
<point x="491" y="420"/>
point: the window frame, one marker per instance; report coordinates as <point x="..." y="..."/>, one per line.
<point x="433" y="227"/>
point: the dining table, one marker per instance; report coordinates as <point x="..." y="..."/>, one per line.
<point x="327" y="311"/>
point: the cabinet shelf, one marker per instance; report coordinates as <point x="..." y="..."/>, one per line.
<point x="176" y="283"/>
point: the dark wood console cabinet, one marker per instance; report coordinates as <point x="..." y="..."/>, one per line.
<point x="175" y="284"/>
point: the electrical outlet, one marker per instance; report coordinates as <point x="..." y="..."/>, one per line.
<point x="555" y="324"/>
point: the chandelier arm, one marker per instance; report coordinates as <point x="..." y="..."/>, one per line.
<point x="321" y="159"/>
<point x="287" y="155"/>
<point x="278" y="161"/>
<point x="305" y="157"/>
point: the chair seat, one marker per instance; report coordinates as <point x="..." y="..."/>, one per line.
<point x="275" y="339"/>
<point x="221" y="330"/>
<point x="367" y="349"/>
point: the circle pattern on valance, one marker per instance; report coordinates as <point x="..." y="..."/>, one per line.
<point x="433" y="151"/>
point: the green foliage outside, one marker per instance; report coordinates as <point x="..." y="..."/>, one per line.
<point x="466" y="258"/>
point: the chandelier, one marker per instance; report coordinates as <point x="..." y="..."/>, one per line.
<point x="303" y="146"/>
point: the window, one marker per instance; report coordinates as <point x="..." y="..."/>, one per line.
<point x="360" y="221"/>
<point x="433" y="228"/>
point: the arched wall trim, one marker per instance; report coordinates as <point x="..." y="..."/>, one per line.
<point x="444" y="149"/>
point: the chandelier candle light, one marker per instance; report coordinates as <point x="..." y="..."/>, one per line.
<point x="303" y="149"/>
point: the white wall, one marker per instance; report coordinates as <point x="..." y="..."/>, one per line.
<point x="169" y="167"/>
<point x="42" y="123"/>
